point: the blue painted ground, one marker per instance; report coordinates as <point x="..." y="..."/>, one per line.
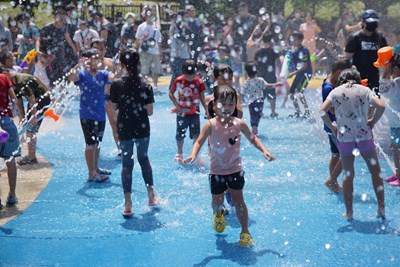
<point x="294" y="219"/>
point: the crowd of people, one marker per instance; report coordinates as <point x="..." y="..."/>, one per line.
<point x="220" y="68"/>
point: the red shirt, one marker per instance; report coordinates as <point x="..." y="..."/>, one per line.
<point x="188" y="93"/>
<point x="5" y="85"/>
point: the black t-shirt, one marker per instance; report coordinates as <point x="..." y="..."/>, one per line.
<point x="365" y="54"/>
<point x="56" y="37"/>
<point x="132" y="97"/>
<point x="243" y="27"/>
<point x="265" y="59"/>
<point x="112" y="38"/>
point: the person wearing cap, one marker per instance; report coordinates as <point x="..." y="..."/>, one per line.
<point x="362" y="48"/>
<point x="149" y="44"/>
<point x="30" y="33"/>
<point x="84" y="36"/>
<point x="190" y="89"/>
<point x="129" y="22"/>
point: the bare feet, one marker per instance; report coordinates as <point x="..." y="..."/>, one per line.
<point x="348" y="215"/>
<point x="380" y="214"/>
<point x="333" y="185"/>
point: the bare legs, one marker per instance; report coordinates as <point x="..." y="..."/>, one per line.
<point x="371" y="159"/>
<point x="335" y="168"/>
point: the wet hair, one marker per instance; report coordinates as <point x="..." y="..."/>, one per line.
<point x="251" y="69"/>
<point x="131" y="59"/>
<point x="97" y="41"/>
<point x="349" y="75"/>
<point x="222" y="70"/>
<point x="340" y="65"/>
<point x="298" y="35"/>
<point x="189" y="67"/>
<point x="395" y="61"/>
<point x="223" y="93"/>
<point x="89" y="52"/>
<point x="267" y="38"/>
<point x="4" y="56"/>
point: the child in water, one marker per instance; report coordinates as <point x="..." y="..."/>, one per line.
<point x="224" y="134"/>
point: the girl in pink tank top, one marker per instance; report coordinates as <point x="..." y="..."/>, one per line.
<point x="226" y="172"/>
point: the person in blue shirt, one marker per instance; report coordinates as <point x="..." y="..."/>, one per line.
<point x="303" y="71"/>
<point x="92" y="113"/>
<point x="335" y="164"/>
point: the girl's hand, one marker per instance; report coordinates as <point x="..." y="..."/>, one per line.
<point x="189" y="159"/>
<point x="334" y="130"/>
<point x="371" y="123"/>
<point x="268" y="156"/>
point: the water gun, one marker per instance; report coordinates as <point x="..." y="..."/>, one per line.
<point x="364" y="82"/>
<point x="286" y="65"/>
<point x="50" y="113"/>
<point x="28" y="59"/>
<point x="385" y="54"/>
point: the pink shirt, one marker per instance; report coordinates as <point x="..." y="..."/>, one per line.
<point x="225" y="148"/>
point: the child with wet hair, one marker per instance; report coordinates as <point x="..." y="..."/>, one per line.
<point x="226" y="172"/>
<point x="353" y="131"/>
<point x="390" y="89"/>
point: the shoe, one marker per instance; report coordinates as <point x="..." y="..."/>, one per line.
<point x="219" y="222"/>
<point x="127" y="213"/>
<point x="246" y="240"/>
<point x="228" y="198"/>
<point x="295" y="115"/>
<point x="27" y="161"/>
<point x="99" y="178"/>
<point x="178" y="158"/>
<point x="11" y="201"/>
<point x="103" y="172"/>
<point x="274" y="115"/>
<point x="395" y="183"/>
<point x="391" y="178"/>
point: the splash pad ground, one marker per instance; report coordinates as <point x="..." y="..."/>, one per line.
<point x="294" y="219"/>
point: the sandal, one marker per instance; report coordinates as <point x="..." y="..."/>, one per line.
<point x="103" y="171"/>
<point x="27" y="161"/>
<point x="127" y="213"/>
<point x="99" y="178"/>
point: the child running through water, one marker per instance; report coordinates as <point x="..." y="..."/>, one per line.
<point x="253" y="91"/>
<point x="133" y="98"/>
<point x="351" y="101"/>
<point x="224" y="134"/>
<point x="391" y="90"/>
<point x="190" y="89"/>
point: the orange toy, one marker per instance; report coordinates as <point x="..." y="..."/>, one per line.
<point x="50" y="113"/>
<point x="364" y="82"/>
<point x="385" y="54"/>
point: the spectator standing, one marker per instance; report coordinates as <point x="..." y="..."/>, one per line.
<point x="179" y="33"/>
<point x="84" y="36"/>
<point x="56" y="36"/>
<point x="243" y="26"/>
<point x="6" y="43"/>
<point x="30" y="34"/>
<point x="196" y="28"/>
<point x="15" y="31"/>
<point x="362" y="48"/>
<point x="148" y="41"/>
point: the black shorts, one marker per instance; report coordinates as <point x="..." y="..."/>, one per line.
<point x="42" y="105"/>
<point x="93" y="131"/>
<point x="220" y="183"/>
<point x="299" y="84"/>
<point x="183" y="122"/>
<point x="333" y="143"/>
<point x="269" y="94"/>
